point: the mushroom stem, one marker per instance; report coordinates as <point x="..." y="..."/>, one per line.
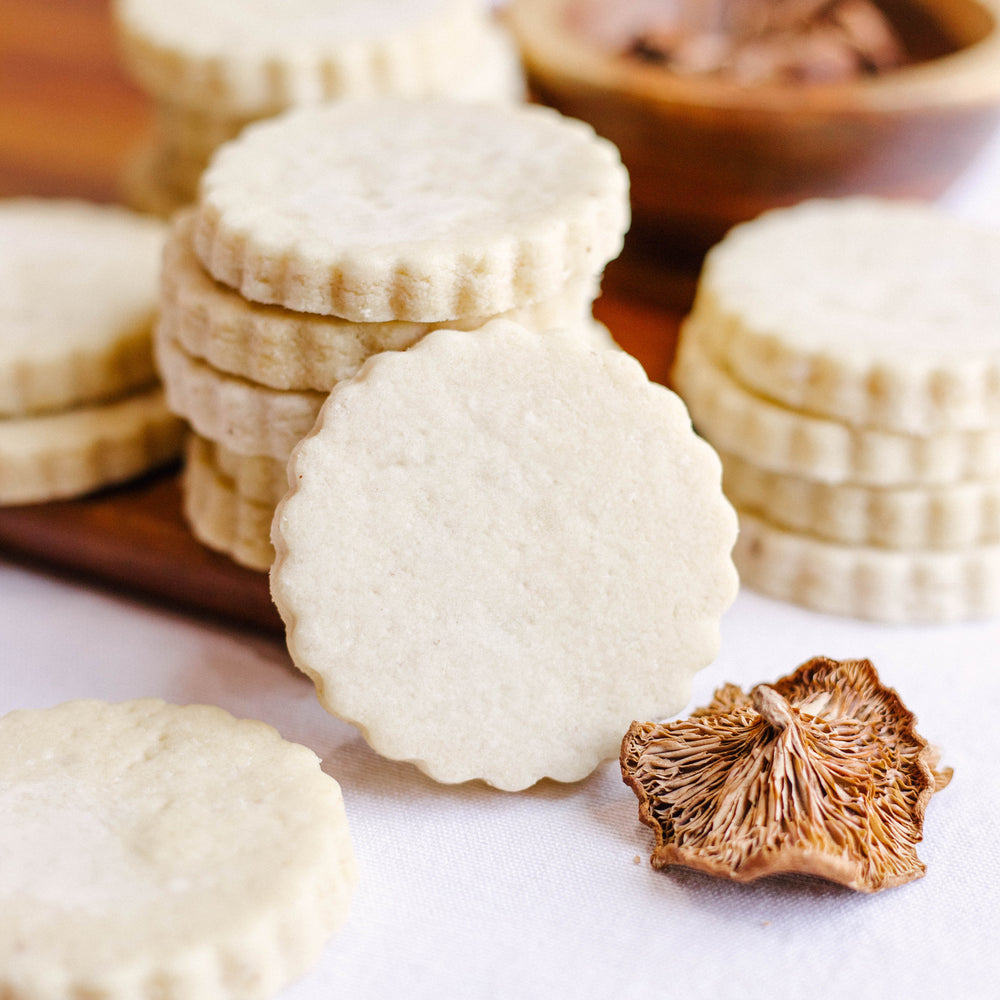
<point x="774" y="709"/>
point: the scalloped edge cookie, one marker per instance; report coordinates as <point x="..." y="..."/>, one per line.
<point x="881" y="585"/>
<point x="79" y="298"/>
<point x="221" y="517"/>
<point x="450" y="556"/>
<point x="424" y="211"/>
<point x="73" y="452"/>
<point x="235" y="57"/>
<point x="873" y="312"/>
<point x="210" y="857"/>
<point x="259" y="478"/>
<point x="253" y="419"/>
<point x="774" y="437"/>
<point x="247" y="418"/>
<point x="955" y="516"/>
<point x="284" y="349"/>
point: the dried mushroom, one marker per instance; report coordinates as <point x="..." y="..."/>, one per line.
<point x="820" y="773"/>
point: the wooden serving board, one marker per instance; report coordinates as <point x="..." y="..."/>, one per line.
<point x="69" y="119"/>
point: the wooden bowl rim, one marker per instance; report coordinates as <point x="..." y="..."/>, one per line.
<point x="967" y="77"/>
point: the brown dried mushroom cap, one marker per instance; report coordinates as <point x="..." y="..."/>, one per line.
<point x="821" y="773"/>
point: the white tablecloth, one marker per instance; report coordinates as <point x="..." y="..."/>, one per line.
<point x="471" y="893"/>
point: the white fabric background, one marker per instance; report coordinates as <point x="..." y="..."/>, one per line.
<point x="470" y="893"/>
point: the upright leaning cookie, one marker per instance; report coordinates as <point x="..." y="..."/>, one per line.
<point x="424" y="211"/>
<point x="498" y="550"/>
<point x="148" y="849"/>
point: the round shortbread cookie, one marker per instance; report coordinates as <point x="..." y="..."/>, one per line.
<point x="421" y="211"/>
<point x="498" y="550"/>
<point x="258" y="478"/>
<point x="66" y="454"/>
<point x="152" y="850"/>
<point x="79" y="287"/>
<point x="222" y="518"/>
<point x="876" y="584"/>
<point x="247" y="418"/>
<point x="872" y="312"/>
<point x="954" y="516"/>
<point x="783" y="440"/>
<point x="253" y="419"/>
<point x="283" y="349"/>
<point x="490" y="70"/>
<point x="256" y="57"/>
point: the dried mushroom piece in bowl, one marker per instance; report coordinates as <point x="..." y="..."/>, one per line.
<point x="821" y="773"/>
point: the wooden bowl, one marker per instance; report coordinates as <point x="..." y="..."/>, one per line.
<point x="705" y="153"/>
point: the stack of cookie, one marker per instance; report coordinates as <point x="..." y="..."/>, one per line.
<point x="80" y="403"/>
<point x="843" y="356"/>
<point x="335" y="232"/>
<point x="212" y="68"/>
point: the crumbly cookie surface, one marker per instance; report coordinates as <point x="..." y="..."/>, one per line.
<point x="156" y="850"/>
<point x="239" y="57"/>
<point x="775" y="437"/>
<point x="498" y="550"/>
<point x="72" y="452"/>
<point x="220" y="516"/>
<point x="952" y="516"/>
<point x="874" y="312"/>
<point x="79" y="296"/>
<point x="867" y="582"/>
<point x="284" y="349"/>
<point x="426" y="211"/>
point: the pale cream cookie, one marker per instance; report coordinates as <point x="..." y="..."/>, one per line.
<point x="774" y="437"/>
<point x="425" y="211"/>
<point x="221" y="517"/>
<point x="873" y="312"/>
<point x="283" y="349"/>
<point x="253" y="419"/>
<point x="877" y="584"/>
<point x="255" y="57"/>
<point x="953" y="516"/>
<point x="72" y="452"/>
<point x="489" y="70"/>
<point x="79" y="296"/>
<point x="246" y="417"/>
<point x="153" y="850"/>
<point x="498" y="550"/>
<point x="259" y="478"/>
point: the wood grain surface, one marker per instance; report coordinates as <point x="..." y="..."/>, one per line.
<point x="69" y="120"/>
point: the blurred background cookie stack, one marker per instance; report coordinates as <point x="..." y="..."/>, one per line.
<point x="334" y="232"/>
<point x="212" y="68"/>
<point x="843" y="357"/>
<point x="80" y="403"/>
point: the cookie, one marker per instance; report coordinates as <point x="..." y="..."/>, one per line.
<point x="422" y="211"/>
<point x="283" y="349"/>
<point x="238" y="57"/>
<point x="246" y="417"/>
<point x="774" y="437"/>
<point x="150" y="850"/>
<point x="871" y="312"/>
<point x="221" y="517"/>
<point x="954" y="516"/>
<point x="79" y="296"/>
<point x="253" y="419"/>
<point x="877" y="584"/>
<point x="72" y="452"/>
<point x="490" y="69"/>
<point x="258" y="478"/>
<point x="498" y="550"/>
